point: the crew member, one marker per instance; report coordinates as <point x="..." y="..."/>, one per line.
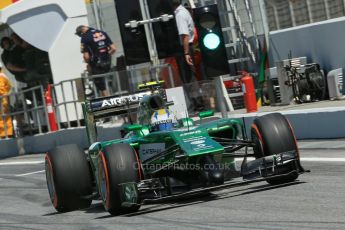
<point x="14" y="61"/>
<point x="97" y="49"/>
<point x="185" y="27"/>
<point x="6" y="129"/>
<point x="7" y="46"/>
<point x="37" y="65"/>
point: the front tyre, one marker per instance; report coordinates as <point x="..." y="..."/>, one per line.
<point x="272" y="134"/>
<point x="68" y="178"/>
<point x="118" y="164"/>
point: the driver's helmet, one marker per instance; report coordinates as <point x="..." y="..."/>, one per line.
<point x="162" y="120"/>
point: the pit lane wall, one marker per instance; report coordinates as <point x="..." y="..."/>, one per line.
<point x="321" y="123"/>
<point x="321" y="42"/>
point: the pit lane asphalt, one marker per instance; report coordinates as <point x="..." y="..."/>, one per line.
<point x="315" y="201"/>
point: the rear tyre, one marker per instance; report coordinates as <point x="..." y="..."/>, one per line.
<point x="118" y="164"/>
<point x="272" y="134"/>
<point x="68" y="178"/>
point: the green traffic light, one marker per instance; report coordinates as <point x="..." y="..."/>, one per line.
<point x="211" y="41"/>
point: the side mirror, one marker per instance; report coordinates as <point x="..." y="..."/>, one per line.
<point x="186" y="122"/>
<point x="208" y="113"/>
<point x="169" y="103"/>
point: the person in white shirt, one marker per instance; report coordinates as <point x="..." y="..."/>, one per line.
<point x="185" y="28"/>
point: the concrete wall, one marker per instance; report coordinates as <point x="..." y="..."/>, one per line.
<point x="44" y="142"/>
<point x="322" y="123"/>
<point x="321" y="42"/>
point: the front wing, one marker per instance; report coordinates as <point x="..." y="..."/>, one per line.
<point x="258" y="170"/>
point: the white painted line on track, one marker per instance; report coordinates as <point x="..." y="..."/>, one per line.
<point x="323" y="159"/>
<point x="22" y="163"/>
<point x="309" y="159"/>
<point x="31" y="173"/>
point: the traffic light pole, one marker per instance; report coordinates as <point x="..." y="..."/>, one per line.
<point x="163" y="18"/>
<point x="149" y="33"/>
<point x="147" y="23"/>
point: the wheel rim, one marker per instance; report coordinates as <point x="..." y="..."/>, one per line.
<point x="294" y="139"/>
<point x="103" y="182"/>
<point x="257" y="139"/>
<point x="50" y="182"/>
<point x="140" y="173"/>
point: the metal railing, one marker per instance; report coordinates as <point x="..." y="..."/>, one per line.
<point x="66" y="105"/>
<point x="126" y="81"/>
<point x="27" y="111"/>
<point x="32" y="118"/>
<point x="68" y="94"/>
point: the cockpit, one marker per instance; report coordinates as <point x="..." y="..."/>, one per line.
<point x="162" y="118"/>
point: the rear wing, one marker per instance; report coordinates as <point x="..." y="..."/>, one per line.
<point x="115" y="105"/>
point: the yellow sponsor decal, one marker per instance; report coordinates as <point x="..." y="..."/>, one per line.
<point x="5" y="3"/>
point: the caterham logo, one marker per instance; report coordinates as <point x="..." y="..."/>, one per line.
<point x="190" y="133"/>
<point x="147" y="151"/>
<point x="198" y="142"/>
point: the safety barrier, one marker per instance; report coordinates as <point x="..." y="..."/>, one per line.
<point x="33" y="118"/>
<point x="126" y="81"/>
<point x="68" y="94"/>
<point x="64" y="109"/>
<point x="236" y="92"/>
<point x="27" y="112"/>
<point x="35" y="111"/>
<point x="66" y="105"/>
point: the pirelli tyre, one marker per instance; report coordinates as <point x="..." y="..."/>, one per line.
<point x="119" y="164"/>
<point x="69" y="179"/>
<point x="272" y="134"/>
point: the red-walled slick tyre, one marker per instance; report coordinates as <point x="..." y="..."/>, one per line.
<point x="272" y="134"/>
<point x="118" y="164"/>
<point x="68" y="177"/>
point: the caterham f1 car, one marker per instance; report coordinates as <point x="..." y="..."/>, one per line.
<point x="162" y="158"/>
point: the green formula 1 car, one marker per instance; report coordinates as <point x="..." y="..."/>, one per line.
<point x="162" y="158"/>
